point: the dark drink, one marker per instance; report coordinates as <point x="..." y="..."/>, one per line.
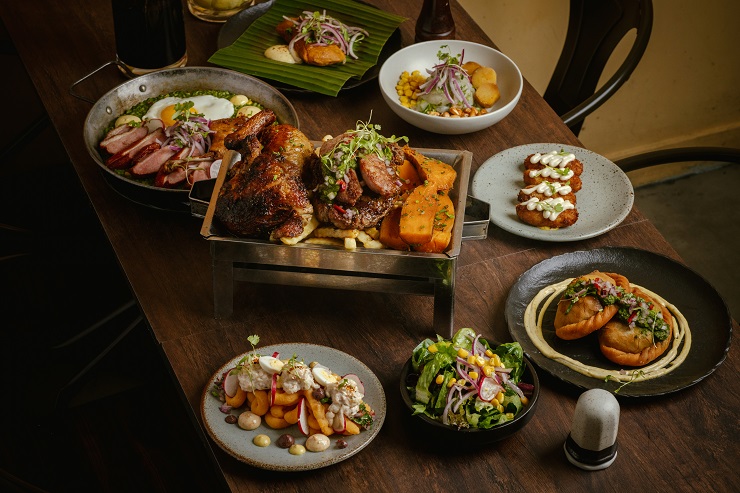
<point x="150" y="34"/>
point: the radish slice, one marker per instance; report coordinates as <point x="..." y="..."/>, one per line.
<point x="303" y="417"/>
<point x="488" y="389"/>
<point x="273" y="389"/>
<point x="358" y="383"/>
<point x="231" y="383"/>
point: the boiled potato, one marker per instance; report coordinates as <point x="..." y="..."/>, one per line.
<point x="487" y="94"/>
<point x="471" y="67"/>
<point x="482" y="76"/>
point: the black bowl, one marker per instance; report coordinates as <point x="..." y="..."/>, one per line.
<point x="471" y="436"/>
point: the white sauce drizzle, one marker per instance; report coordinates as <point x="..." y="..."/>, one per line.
<point x="548" y="188"/>
<point x="553" y="158"/>
<point x="548" y="206"/>
<point x="550" y="172"/>
<point x="669" y="361"/>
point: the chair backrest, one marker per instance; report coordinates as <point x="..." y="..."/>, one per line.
<point x="679" y="155"/>
<point x="595" y="28"/>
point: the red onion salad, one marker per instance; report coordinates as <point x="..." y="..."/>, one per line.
<point x="449" y="84"/>
<point x="320" y="29"/>
<point x="466" y="383"/>
<point x="193" y="133"/>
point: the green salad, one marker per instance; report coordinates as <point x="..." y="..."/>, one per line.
<point x="467" y="383"/>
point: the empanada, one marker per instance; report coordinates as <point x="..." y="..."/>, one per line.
<point x="641" y="338"/>
<point x="585" y="308"/>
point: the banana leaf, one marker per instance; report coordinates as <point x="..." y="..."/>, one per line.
<point x="246" y="54"/>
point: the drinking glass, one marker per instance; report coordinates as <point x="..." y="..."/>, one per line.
<point x="150" y="34"/>
<point x="217" y="10"/>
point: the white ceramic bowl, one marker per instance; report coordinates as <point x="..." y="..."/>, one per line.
<point x="423" y="56"/>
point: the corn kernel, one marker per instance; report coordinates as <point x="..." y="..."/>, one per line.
<point x="471" y="359"/>
<point x="525" y="401"/>
<point x="510" y="415"/>
<point x="489" y="353"/>
<point x="451" y="382"/>
<point x="496" y="360"/>
<point x="495" y="403"/>
<point x="439" y="379"/>
<point x="404" y="99"/>
<point x="473" y="375"/>
<point x="463" y="353"/>
<point x="500" y="408"/>
<point x="488" y="371"/>
<point x="432" y="349"/>
<point x="500" y="397"/>
<point x="480" y="361"/>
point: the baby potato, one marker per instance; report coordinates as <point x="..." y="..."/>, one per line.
<point x="248" y="111"/>
<point x="239" y="100"/>
<point x="482" y="76"/>
<point x="487" y="94"/>
<point x="471" y="67"/>
<point x="126" y="119"/>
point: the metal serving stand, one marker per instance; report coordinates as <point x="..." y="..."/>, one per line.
<point x="321" y="266"/>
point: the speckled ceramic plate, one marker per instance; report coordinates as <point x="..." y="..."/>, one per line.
<point x="604" y="201"/>
<point x="238" y="442"/>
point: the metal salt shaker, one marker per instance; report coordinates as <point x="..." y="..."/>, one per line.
<point x="592" y="442"/>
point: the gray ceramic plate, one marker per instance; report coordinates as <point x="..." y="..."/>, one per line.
<point x="604" y="201"/>
<point x="238" y="442"/>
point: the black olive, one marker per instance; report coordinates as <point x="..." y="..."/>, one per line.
<point x="341" y="443"/>
<point x="319" y="393"/>
<point x="286" y="440"/>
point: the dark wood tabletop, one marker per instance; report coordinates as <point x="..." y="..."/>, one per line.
<point x="686" y="441"/>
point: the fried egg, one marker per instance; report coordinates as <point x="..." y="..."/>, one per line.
<point x="210" y="107"/>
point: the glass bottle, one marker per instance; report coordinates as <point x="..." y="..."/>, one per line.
<point x="435" y="21"/>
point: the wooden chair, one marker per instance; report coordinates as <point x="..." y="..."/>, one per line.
<point x="678" y="155"/>
<point x="595" y="28"/>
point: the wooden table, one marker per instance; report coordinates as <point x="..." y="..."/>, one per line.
<point x="684" y="442"/>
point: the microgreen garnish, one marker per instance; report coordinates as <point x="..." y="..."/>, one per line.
<point x="365" y="139"/>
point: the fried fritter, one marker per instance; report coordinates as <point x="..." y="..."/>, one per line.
<point x="549" y="213"/>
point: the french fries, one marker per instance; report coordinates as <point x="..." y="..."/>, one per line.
<point x="284" y="412"/>
<point x="318" y="411"/>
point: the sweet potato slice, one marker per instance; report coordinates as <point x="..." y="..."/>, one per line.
<point x="432" y="170"/>
<point x="416" y="224"/>
<point x="444" y="220"/>
<point x="390" y="231"/>
<point x="408" y="174"/>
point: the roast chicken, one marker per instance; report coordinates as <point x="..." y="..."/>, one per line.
<point x="265" y="196"/>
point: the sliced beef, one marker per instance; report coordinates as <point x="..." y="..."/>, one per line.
<point x="122" y="137"/>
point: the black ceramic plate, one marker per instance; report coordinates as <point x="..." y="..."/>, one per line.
<point x="239" y="22"/>
<point x="435" y="431"/>
<point x="708" y="317"/>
